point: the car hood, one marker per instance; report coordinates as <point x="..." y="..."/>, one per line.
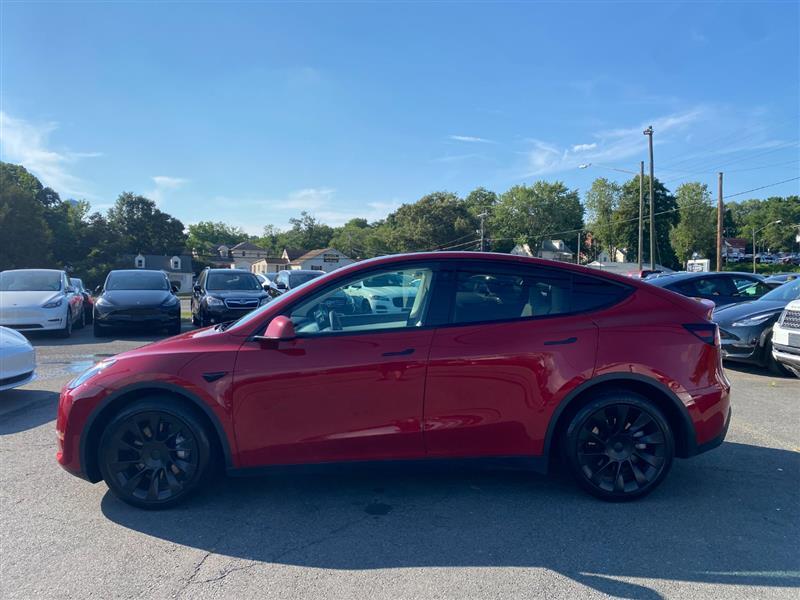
<point x="237" y="293"/>
<point x="736" y="312"/>
<point x="136" y="297"/>
<point x="27" y="298"/>
<point x="12" y="339"/>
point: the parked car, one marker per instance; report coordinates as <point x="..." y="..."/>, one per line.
<point x="88" y="301"/>
<point x="551" y="360"/>
<point x="222" y="295"/>
<point x="389" y="292"/>
<point x="137" y="299"/>
<point x="781" y="278"/>
<point x="40" y="300"/>
<point x="289" y="279"/>
<point x="17" y="359"/>
<point x="746" y="328"/>
<point x="786" y="338"/>
<point x="721" y="288"/>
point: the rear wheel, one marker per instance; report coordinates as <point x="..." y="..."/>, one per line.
<point x="619" y="447"/>
<point x="154" y="453"/>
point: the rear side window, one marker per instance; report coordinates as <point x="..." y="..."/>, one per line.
<point x="500" y="296"/>
<point x="706" y="286"/>
<point x="589" y="293"/>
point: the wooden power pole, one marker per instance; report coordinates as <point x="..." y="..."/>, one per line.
<point x="649" y="133"/>
<point x="719" y="225"/>
<point x="641" y="213"/>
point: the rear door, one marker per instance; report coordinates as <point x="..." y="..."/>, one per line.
<point x="517" y="340"/>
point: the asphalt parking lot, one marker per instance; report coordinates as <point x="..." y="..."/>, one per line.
<point x="725" y="524"/>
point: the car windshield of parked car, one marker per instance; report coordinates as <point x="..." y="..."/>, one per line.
<point x="30" y="281"/>
<point x="76" y="283"/>
<point x="787" y="292"/>
<point x="137" y="281"/>
<point x="232" y="281"/>
<point x="296" y="279"/>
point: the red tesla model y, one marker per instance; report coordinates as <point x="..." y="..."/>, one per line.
<point x="422" y="356"/>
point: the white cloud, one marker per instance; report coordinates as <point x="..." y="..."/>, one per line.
<point x="308" y="199"/>
<point x="470" y="139"/>
<point x="583" y="147"/>
<point x="165" y="183"/>
<point x="27" y="143"/>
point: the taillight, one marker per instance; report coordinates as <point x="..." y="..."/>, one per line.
<point x="706" y="332"/>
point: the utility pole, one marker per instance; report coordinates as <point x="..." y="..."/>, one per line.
<point x="649" y="133"/>
<point x="719" y="226"/>
<point x="483" y="236"/>
<point x="641" y="212"/>
<point x="578" y="252"/>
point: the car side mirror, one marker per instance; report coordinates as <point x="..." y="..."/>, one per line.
<point x="98" y="290"/>
<point x="69" y="289"/>
<point x="174" y="289"/>
<point x="280" y="329"/>
<point x="265" y="286"/>
<point x="197" y="289"/>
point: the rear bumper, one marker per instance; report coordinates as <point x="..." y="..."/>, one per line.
<point x="710" y="412"/>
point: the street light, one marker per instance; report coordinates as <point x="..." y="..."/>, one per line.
<point x="755" y="231"/>
<point x="587" y="165"/>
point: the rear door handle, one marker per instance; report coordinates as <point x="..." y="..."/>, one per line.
<point x="569" y="340"/>
<point x="405" y="352"/>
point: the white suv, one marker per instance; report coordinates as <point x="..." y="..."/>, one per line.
<point x="786" y="338"/>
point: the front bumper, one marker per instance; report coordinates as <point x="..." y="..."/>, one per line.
<point x="137" y="317"/>
<point x="787" y="355"/>
<point x="17" y="367"/>
<point x="33" y="319"/>
<point x="224" y="314"/>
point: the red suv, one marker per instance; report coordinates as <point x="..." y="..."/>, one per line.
<point x="454" y="355"/>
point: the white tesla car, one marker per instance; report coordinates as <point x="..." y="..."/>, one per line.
<point x="39" y="300"/>
<point x="17" y="359"/>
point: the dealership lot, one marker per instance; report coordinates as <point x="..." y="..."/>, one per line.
<point x="725" y="523"/>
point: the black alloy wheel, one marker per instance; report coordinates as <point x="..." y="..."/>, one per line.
<point x="66" y="331"/>
<point x="154" y="454"/>
<point x="619" y="447"/>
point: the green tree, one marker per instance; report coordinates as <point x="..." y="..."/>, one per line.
<point x="532" y="214"/>
<point x="206" y="236"/>
<point x="758" y="214"/>
<point x="696" y="229"/>
<point x="26" y="237"/>
<point x="602" y="200"/>
<point x="142" y="227"/>
<point x="626" y="219"/>
<point x="435" y="221"/>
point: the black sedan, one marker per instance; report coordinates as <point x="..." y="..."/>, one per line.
<point x="222" y="295"/>
<point x="746" y="328"/>
<point x="137" y="299"/>
<point x="721" y="288"/>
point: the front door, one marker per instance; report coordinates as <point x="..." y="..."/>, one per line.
<point x="349" y="387"/>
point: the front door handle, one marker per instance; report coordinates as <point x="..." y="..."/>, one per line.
<point x="569" y="340"/>
<point x="405" y="352"/>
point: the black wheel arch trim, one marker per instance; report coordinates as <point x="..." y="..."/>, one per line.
<point x="166" y="387"/>
<point x="690" y="442"/>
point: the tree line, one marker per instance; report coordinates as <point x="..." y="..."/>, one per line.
<point x="39" y="229"/>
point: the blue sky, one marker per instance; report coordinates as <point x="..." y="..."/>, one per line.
<point x="251" y="112"/>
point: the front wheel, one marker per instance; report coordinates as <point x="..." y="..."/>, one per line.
<point x="66" y="331"/>
<point x="619" y="447"/>
<point x="154" y="453"/>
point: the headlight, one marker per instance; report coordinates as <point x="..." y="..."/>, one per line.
<point x="264" y="301"/>
<point x="102" y="302"/>
<point x="89" y="373"/>
<point x="754" y="320"/>
<point x="171" y="301"/>
<point x="212" y="301"/>
<point x="54" y="303"/>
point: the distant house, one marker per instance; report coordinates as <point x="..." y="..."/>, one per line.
<point x="620" y="256"/>
<point x="556" y="250"/>
<point x="177" y="267"/>
<point x="244" y="254"/>
<point x="270" y="264"/>
<point x="734" y="247"/>
<point x="322" y="259"/>
<point x="522" y="250"/>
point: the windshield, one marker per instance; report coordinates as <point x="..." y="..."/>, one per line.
<point x="136" y="281"/>
<point x="30" y="281"/>
<point x="296" y="279"/>
<point x="232" y="281"/>
<point x="76" y="283"/>
<point x="787" y="292"/>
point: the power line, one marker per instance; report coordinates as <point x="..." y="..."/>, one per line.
<point x="762" y="187"/>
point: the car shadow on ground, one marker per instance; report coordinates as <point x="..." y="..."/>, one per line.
<point x="755" y="370"/>
<point x="86" y="336"/>
<point x="727" y="517"/>
<point x="24" y="409"/>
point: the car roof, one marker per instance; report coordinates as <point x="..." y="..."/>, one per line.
<point x="137" y="271"/>
<point x="673" y="277"/>
<point x="33" y="271"/>
<point x="223" y="270"/>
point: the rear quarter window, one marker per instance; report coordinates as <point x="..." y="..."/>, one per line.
<point x="589" y="293"/>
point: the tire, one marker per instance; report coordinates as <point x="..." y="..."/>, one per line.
<point x="154" y="453"/>
<point x="82" y="321"/>
<point x="619" y="447"/>
<point x="773" y="365"/>
<point x="66" y="331"/>
<point x="195" y="320"/>
<point x="88" y="316"/>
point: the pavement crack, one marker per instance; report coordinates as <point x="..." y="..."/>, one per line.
<point x="330" y="535"/>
